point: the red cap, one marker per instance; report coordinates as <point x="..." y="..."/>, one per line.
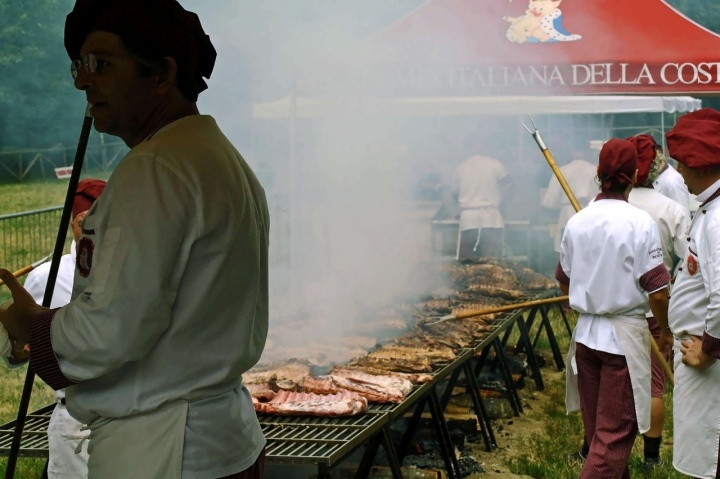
<point x="694" y="141"/>
<point x="618" y="162"/>
<point x="85" y="195"/>
<point x="646" y="149"/>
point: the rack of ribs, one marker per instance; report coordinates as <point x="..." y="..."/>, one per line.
<point x="287" y="403"/>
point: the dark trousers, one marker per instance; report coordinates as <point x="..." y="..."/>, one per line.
<point x="491" y="244"/>
<point x="608" y="413"/>
<point x="256" y="471"/>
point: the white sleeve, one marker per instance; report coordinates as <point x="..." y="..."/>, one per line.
<point x="682" y="227"/>
<point x="711" y="247"/>
<point x="648" y="249"/>
<point x="147" y="230"/>
<point x="36" y="280"/>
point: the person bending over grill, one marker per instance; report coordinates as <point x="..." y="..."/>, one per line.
<point x="611" y="267"/>
<point x="694" y="315"/>
<point x="481" y="183"/>
<point x="170" y="296"/>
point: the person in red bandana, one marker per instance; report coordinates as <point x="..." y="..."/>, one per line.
<point x="694" y="314"/>
<point x="611" y="266"/>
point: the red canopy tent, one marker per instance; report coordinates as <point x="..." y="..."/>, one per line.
<point x="555" y="47"/>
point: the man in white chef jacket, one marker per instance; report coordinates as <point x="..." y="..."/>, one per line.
<point x="170" y="295"/>
<point x="611" y="267"/>
<point x="695" y="304"/>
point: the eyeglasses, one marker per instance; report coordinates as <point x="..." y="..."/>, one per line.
<point x="89" y="63"/>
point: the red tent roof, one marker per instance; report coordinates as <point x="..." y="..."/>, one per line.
<point x="604" y="46"/>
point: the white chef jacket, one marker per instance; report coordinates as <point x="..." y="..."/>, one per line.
<point x="477" y="183"/>
<point x="64" y="432"/>
<point x="606" y="248"/>
<point x="671" y="184"/>
<point x="170" y="308"/>
<point x="580" y="176"/>
<point x="672" y="219"/>
<point x="695" y="309"/>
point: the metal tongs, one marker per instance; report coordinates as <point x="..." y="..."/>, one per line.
<point x="551" y="161"/>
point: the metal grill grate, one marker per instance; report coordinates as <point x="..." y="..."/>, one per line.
<point x="317" y="440"/>
<point x="34" y="441"/>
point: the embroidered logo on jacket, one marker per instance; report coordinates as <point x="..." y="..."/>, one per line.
<point x="83" y="260"/>
<point x="692" y="265"/>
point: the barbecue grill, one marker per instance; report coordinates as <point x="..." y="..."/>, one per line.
<point x="326" y="442"/>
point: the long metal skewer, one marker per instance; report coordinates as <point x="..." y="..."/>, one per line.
<point x="50" y="286"/>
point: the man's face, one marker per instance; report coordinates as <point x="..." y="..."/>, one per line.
<point x="692" y="178"/>
<point x="122" y="102"/>
<point x="76" y="225"/>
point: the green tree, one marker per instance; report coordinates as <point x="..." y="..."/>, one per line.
<point x="704" y="12"/>
<point x="38" y="104"/>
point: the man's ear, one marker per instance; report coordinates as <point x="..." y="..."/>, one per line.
<point x="167" y="78"/>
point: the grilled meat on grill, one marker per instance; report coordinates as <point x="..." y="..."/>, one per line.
<point x="376" y="389"/>
<point x="415" y="378"/>
<point x="308" y="404"/>
<point x="288" y="376"/>
<point x="402" y="365"/>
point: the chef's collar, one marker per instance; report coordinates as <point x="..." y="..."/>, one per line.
<point x="709" y="191"/>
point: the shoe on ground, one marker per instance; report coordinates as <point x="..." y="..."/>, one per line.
<point x="652" y="462"/>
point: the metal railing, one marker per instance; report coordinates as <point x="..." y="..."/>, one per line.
<point x="28" y="236"/>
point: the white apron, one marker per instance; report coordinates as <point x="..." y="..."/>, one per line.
<point x="142" y="446"/>
<point x="634" y="337"/>
<point x="478" y="218"/>
<point x="696" y="418"/>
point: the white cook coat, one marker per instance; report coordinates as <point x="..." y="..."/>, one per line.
<point x="672" y="219"/>
<point x="173" y="310"/>
<point x="671" y="184"/>
<point x="64" y="432"/>
<point x="606" y="248"/>
<point x="694" y="309"/>
<point x="580" y="176"/>
<point x="477" y="183"/>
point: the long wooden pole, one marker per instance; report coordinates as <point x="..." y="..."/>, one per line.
<point x="26" y="269"/>
<point x="566" y="188"/>
<point x="497" y="309"/>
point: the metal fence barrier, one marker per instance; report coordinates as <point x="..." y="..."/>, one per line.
<point x="28" y="236"/>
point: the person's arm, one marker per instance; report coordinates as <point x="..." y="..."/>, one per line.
<point x="563" y="279"/>
<point x="136" y="268"/>
<point x="711" y="275"/>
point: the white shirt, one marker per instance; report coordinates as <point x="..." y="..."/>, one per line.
<point x="37" y="279"/>
<point x="477" y="183"/>
<point x="672" y="219"/>
<point x="671" y="184"/>
<point x="605" y="249"/>
<point x="175" y="305"/>
<point x="580" y="176"/>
